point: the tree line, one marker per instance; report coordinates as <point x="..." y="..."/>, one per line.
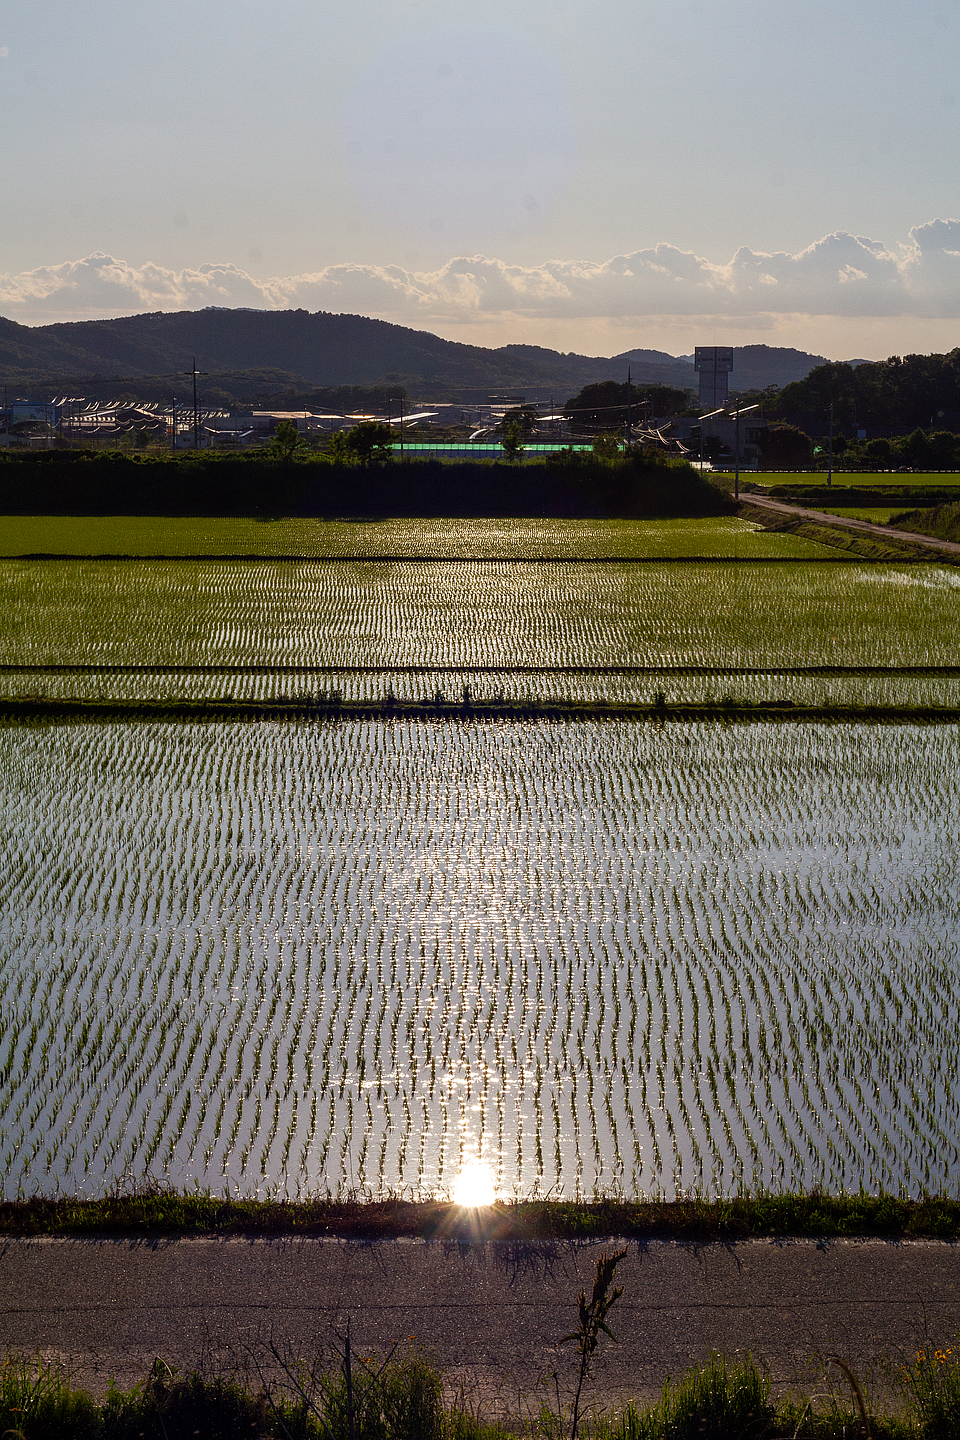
<point x="919" y="391"/>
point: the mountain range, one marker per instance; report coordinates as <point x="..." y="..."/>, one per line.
<point x="304" y="350"/>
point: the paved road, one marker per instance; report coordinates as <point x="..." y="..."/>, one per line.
<point x="492" y="1315"/>
<point x="842" y="522"/>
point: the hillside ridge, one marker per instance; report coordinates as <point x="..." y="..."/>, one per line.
<point x="334" y="349"/>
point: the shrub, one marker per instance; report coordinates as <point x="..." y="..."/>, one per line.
<point x="178" y="1409"/>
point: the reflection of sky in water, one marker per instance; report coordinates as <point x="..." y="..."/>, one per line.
<point x="465" y="134"/>
<point x="926" y="578"/>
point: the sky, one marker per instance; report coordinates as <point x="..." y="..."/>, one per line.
<point x="655" y="173"/>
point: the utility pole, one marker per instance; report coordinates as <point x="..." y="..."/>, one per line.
<point x="736" y="476"/>
<point x="626" y="437"/>
<point x="196" y="408"/>
<point x="401" y="429"/>
<point x="830" y="451"/>
<point x="173" y="426"/>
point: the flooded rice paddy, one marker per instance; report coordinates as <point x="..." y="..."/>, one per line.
<point x="296" y="957"/>
<point x="495" y="613"/>
<point x="368" y="956"/>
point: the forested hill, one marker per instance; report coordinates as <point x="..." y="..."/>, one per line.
<point x="323" y="349"/>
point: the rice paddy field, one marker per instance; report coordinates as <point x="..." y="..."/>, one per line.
<point x="858" y="479"/>
<point x="593" y="956"/>
<point x="365" y="629"/>
<point x="521" y="539"/>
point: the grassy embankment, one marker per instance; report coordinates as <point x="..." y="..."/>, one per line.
<point x="845" y="479"/>
<point x="26" y="710"/>
<point x="165" y="1212"/>
<point x="874" y="514"/>
<point x="941" y="521"/>
<point x="862" y="546"/>
<point x="879" y="498"/>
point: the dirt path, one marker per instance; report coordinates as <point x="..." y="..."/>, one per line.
<point x="491" y="1315"/>
<point x="842" y="522"/>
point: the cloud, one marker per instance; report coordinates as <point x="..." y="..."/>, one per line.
<point x="840" y="275"/>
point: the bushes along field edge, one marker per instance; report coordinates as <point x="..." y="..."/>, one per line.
<point x="72" y="483"/>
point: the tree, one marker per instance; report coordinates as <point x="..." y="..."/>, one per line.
<point x="944" y="449"/>
<point x="606" y="447"/>
<point x="915" y="450"/>
<point x="785" y="446"/>
<point x="512" y="440"/>
<point x="337" y="450"/>
<point x="286" y="442"/>
<point x="604" y="405"/>
<point x="370" y="440"/>
<point x="523" y="415"/>
<point x="908" y="390"/>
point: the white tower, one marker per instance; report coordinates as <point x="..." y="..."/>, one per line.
<point x="713" y="363"/>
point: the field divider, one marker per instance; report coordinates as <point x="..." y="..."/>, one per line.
<point x="391" y="708"/>
<point x="400" y="559"/>
<point x="947" y="672"/>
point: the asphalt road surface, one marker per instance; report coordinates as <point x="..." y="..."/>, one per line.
<point x="492" y="1316"/>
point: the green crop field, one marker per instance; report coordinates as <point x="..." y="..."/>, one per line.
<point x="483" y="613"/>
<point x="342" y="954"/>
<point x="855" y="479"/>
<point x="518" y="539"/>
<point x="876" y="514"/>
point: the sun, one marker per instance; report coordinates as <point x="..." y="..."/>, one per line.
<point x="474" y="1187"/>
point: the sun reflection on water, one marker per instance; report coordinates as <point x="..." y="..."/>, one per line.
<point x="474" y="1186"/>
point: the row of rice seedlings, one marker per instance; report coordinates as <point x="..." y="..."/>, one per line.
<point x="496" y="613"/>
<point x="601" y="958"/>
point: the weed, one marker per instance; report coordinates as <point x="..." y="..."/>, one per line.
<point x="38" y="1402"/>
<point x="717" y="1401"/>
<point x="592" y="1323"/>
<point x="933" y="1384"/>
